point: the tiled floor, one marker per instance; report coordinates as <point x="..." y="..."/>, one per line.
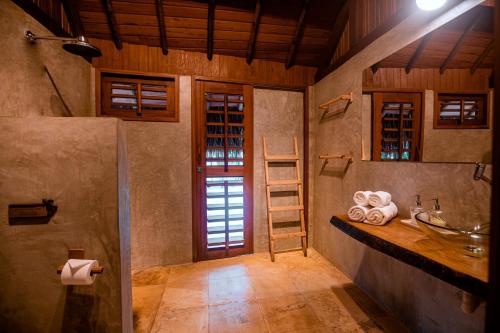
<point x="252" y="294"/>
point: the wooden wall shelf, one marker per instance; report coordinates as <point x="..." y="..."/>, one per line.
<point x="414" y="248"/>
<point x="347" y="97"/>
<point x="326" y="158"/>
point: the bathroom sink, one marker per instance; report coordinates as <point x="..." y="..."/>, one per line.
<point x="471" y="241"/>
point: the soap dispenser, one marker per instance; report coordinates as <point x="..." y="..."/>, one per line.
<point x="415" y="210"/>
<point x="436" y="214"/>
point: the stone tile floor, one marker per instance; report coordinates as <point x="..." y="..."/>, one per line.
<point x="252" y="294"/>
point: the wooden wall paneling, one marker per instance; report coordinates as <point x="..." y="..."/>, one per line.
<point x="150" y="59"/>
<point x="428" y="78"/>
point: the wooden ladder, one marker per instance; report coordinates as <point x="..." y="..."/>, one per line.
<point x="295" y="159"/>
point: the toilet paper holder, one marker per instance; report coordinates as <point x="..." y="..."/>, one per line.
<point x="80" y="254"/>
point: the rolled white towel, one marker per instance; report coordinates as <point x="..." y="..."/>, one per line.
<point x="361" y="197"/>
<point x="357" y="213"/>
<point x="379" y="199"/>
<point x="381" y="215"/>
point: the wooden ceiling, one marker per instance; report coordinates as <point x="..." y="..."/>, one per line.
<point x="288" y="31"/>
<point x="318" y="33"/>
<point x="465" y="42"/>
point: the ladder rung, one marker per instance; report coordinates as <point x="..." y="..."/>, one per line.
<point x="284" y="182"/>
<point x="281" y="158"/>
<point x="289" y="235"/>
<point x="285" y="208"/>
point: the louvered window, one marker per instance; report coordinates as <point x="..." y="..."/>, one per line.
<point x="396" y="127"/>
<point x="138" y="97"/>
<point x="225" y="130"/>
<point x="461" y="111"/>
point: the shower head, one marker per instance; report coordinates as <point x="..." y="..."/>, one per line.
<point x="78" y="46"/>
<point x="82" y="47"/>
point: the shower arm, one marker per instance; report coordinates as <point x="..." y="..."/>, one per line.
<point x="32" y="37"/>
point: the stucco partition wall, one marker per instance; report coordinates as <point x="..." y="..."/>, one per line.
<point x="25" y="86"/>
<point x="466" y="145"/>
<point x="159" y="155"/>
<point x="76" y="163"/>
<point x="278" y="115"/>
<point x="420" y="300"/>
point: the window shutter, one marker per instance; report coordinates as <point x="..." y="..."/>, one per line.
<point x="135" y="97"/>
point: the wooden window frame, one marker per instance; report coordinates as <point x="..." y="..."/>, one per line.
<point x="376" y="128"/>
<point x="153" y="116"/>
<point x="460" y="95"/>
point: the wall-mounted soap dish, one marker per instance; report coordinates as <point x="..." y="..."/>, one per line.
<point x="36" y="213"/>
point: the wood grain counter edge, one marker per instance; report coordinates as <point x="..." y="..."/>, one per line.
<point x="458" y="279"/>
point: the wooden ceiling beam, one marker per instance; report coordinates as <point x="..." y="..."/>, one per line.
<point x="473" y="20"/>
<point x="414" y="58"/>
<point x="210" y="29"/>
<point x="482" y="56"/>
<point x="73" y="16"/>
<point x="113" y="26"/>
<point x="38" y="14"/>
<point x="161" y="26"/>
<point x="341" y="22"/>
<point x="254" y="32"/>
<point x="297" y="38"/>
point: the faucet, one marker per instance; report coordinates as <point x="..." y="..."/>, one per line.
<point x="479" y="173"/>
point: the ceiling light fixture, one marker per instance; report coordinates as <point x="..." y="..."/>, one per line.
<point x="430" y="4"/>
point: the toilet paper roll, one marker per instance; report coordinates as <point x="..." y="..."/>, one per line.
<point x="77" y="272"/>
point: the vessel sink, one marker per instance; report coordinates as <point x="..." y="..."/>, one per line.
<point x="471" y="241"/>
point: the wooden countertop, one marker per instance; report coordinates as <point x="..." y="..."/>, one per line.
<point x="413" y="247"/>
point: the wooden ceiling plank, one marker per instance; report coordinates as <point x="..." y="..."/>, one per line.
<point x="390" y="23"/>
<point x="479" y="61"/>
<point x="340" y="23"/>
<point x="113" y="26"/>
<point x="473" y="20"/>
<point x="48" y="22"/>
<point x="73" y="16"/>
<point x="299" y="33"/>
<point x="161" y="26"/>
<point x="210" y="29"/>
<point x="253" y="34"/>
<point x="418" y="52"/>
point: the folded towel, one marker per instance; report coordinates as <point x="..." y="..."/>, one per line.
<point x="379" y="199"/>
<point x="357" y="213"/>
<point x="381" y="215"/>
<point x="361" y="197"/>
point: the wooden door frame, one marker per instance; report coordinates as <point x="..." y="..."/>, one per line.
<point x="199" y="250"/>
<point x="196" y="209"/>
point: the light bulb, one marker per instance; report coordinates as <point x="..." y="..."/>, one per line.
<point x="430" y="4"/>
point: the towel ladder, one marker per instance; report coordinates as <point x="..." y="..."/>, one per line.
<point x="270" y="184"/>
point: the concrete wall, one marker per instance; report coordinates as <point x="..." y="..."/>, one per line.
<point x="25" y="85"/>
<point x="455" y="145"/>
<point x="422" y="302"/>
<point x="77" y="163"/>
<point x="278" y="116"/>
<point x="159" y="155"/>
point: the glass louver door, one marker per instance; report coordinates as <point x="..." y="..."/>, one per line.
<point x="396" y="127"/>
<point x="223" y="225"/>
